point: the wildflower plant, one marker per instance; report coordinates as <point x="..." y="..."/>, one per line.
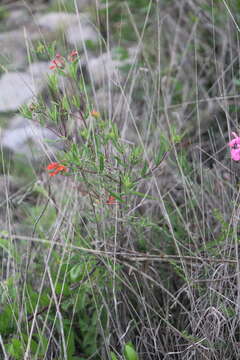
<point x="110" y="167"/>
<point x="108" y="170"/>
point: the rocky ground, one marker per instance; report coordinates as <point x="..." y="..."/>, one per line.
<point x="24" y="72"/>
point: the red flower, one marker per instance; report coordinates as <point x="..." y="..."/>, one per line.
<point x="57" y="168"/>
<point x="57" y="62"/>
<point x="111" y="200"/>
<point x="72" y="55"/>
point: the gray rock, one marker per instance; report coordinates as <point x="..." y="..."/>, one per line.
<point x="56" y="20"/>
<point x="80" y="31"/>
<point x="18" y="88"/>
<point x="13" y="44"/>
<point x="24" y="137"/>
<point x="17" y="18"/>
<point x="13" y="50"/>
<point x="78" y="27"/>
<point x="39" y="70"/>
<point x="108" y="66"/>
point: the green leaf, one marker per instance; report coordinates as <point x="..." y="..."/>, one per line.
<point x="42" y="344"/>
<point x="163" y="148"/>
<point x="127" y="182"/>
<point x="6" y="321"/>
<point x="135" y="155"/>
<point x="53" y="82"/>
<point x="76" y="271"/>
<point x="15" y="349"/>
<point x="73" y="68"/>
<point x="65" y="103"/>
<point x="25" y="111"/>
<point x="53" y="112"/>
<point x="144" y="169"/>
<point x="7" y="245"/>
<point x="129" y="352"/>
<point x="33" y="343"/>
<point x="101" y="162"/>
<point x="76" y="101"/>
<point x="117" y="196"/>
<point x="120" y="53"/>
<point x="61" y="288"/>
<point x="113" y="356"/>
<point x="70" y="345"/>
<point x="52" y="49"/>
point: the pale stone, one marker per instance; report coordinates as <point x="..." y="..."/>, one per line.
<point x="15" y="90"/>
<point x="17" y="18"/>
<point x="56" y="20"/>
<point x="24" y="137"/>
<point x="108" y="66"/>
<point x="13" y="50"/>
<point x="81" y="31"/>
<point x="18" y="88"/>
<point x="39" y="70"/>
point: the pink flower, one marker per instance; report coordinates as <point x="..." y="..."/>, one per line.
<point x="57" y="62"/>
<point x="72" y="56"/>
<point x="235" y="147"/>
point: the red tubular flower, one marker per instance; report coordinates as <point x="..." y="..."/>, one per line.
<point x="111" y="200"/>
<point x="57" y="168"/>
<point x="72" y="55"/>
<point x="57" y="62"/>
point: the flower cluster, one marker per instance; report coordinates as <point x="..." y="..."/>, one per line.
<point x="57" y="168"/>
<point x="59" y="62"/>
<point x="235" y="147"/>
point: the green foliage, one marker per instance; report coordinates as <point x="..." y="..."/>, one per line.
<point x="4" y="13"/>
<point x="129" y="352"/>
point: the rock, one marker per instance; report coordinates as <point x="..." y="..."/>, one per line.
<point x="39" y="70"/>
<point x="26" y="138"/>
<point x="78" y="27"/>
<point x="17" y="18"/>
<point x="13" y="44"/>
<point x="18" y="88"/>
<point x="13" y="50"/>
<point x="56" y="20"/>
<point x="109" y="66"/>
<point x="80" y="31"/>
